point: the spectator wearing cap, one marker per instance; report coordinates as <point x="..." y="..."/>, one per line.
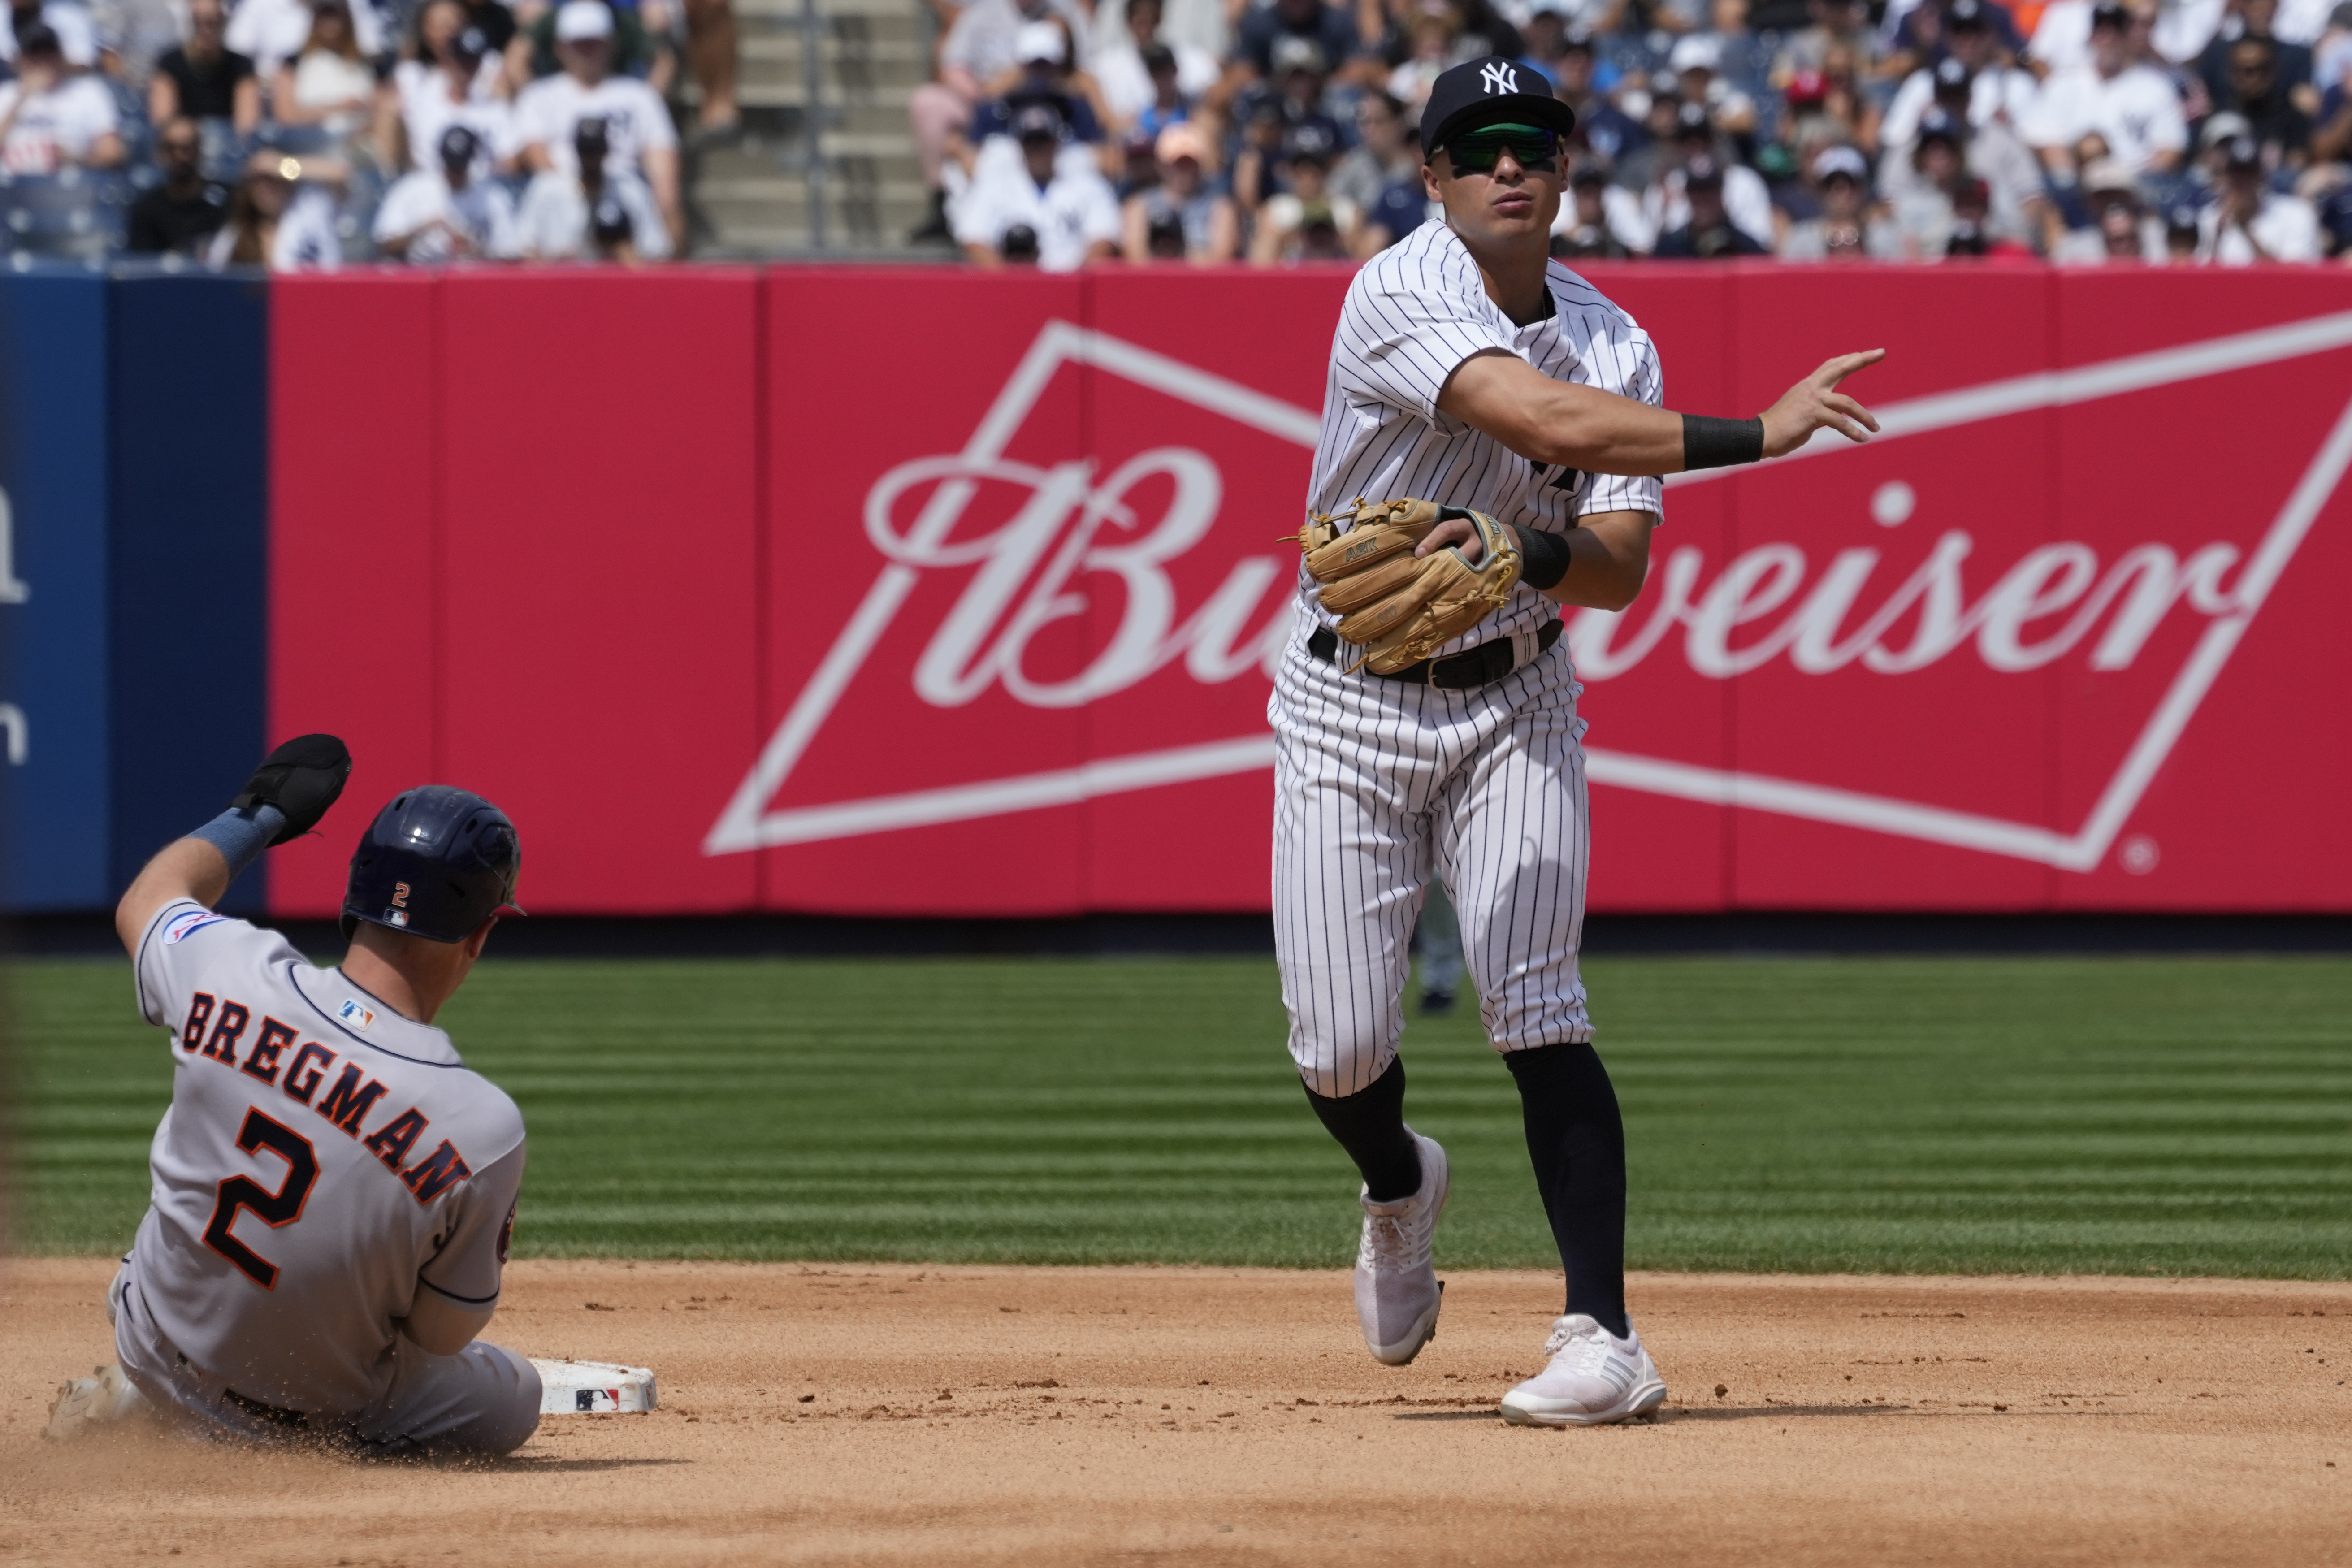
<point x="1606" y="130"/>
<point x="639" y="45"/>
<point x="977" y="61"/>
<point x="1697" y="61"/>
<point x="1988" y="90"/>
<point x="327" y="84"/>
<point x="54" y="117"/>
<point x="180" y="215"/>
<point x="640" y="140"/>
<point x="1845" y="229"/>
<point x="1584" y="230"/>
<point x="448" y="213"/>
<point x="1382" y="155"/>
<point x="591" y="209"/>
<point x="1739" y="190"/>
<point x="1706" y="232"/>
<point x="204" y="78"/>
<point x="1057" y="212"/>
<point x="1183" y="217"/>
<point x="282" y="215"/>
<point x="2119" y="230"/>
<point x="1306" y="222"/>
<point x="2249" y="223"/>
<point x="1973" y="235"/>
<point x="1918" y="33"/>
<point x="2277" y="125"/>
<point x="1042" y="77"/>
<point x="1919" y="208"/>
<point x="1130" y="72"/>
<point x="1330" y="27"/>
<point x="456" y="78"/>
<point x="2130" y="107"/>
<point x="1990" y="147"/>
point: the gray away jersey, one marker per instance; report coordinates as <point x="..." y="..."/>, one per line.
<point x="1415" y="312"/>
<point x="323" y="1159"/>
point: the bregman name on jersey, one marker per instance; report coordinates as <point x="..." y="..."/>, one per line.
<point x="216" y="1029"/>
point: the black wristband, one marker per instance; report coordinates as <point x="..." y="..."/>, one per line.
<point x="1543" y="558"/>
<point x="1721" y="443"/>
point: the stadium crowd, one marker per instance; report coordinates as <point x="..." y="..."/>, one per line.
<point x="301" y="133"/>
<point x="2189" y="131"/>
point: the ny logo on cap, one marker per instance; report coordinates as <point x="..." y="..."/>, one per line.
<point x="1498" y="76"/>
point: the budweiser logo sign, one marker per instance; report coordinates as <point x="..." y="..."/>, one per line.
<point x="1076" y="582"/>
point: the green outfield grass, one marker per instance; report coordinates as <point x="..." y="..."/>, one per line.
<point x="2160" y="1115"/>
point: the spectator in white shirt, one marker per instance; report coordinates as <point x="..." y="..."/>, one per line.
<point x="1995" y="91"/>
<point x="53" y="117"/>
<point x="282" y="215"/>
<point x="271" y="32"/>
<point x="456" y="79"/>
<point x="1746" y="198"/>
<point x="981" y="52"/>
<point x="637" y="128"/>
<point x="2250" y="222"/>
<point x="447" y="213"/>
<point x="328" y="84"/>
<point x="1125" y="83"/>
<point x="76" y="28"/>
<point x="1059" y="213"/>
<point x="2131" y="107"/>
<point x="592" y="211"/>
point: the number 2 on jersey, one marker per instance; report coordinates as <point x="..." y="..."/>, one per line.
<point x="281" y="1207"/>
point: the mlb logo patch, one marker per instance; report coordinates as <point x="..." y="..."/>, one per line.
<point x="396" y="917"/>
<point x="352" y="1012"/>
<point x="183" y="926"/>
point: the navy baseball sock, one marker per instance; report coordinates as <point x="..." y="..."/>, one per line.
<point x="1370" y="1125"/>
<point x="1576" y="1141"/>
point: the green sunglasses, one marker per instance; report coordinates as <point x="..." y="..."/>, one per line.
<point x="1535" y="149"/>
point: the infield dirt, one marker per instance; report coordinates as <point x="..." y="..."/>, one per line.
<point x="890" y="1413"/>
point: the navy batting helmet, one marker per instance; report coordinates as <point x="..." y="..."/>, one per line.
<point x="437" y="862"/>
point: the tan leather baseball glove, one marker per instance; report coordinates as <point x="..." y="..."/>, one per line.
<point x="1397" y="608"/>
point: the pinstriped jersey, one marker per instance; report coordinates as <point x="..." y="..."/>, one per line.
<point x="1415" y="313"/>
<point x="324" y="1162"/>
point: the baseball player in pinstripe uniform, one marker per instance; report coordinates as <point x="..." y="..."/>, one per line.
<point x="1472" y="371"/>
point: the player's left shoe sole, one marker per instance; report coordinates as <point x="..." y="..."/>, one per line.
<point x="1641" y="1402"/>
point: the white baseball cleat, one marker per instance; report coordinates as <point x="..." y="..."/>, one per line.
<point x="1396" y="1288"/>
<point x="1594" y="1378"/>
<point x="85" y="1404"/>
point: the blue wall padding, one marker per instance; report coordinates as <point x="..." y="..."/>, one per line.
<point x="190" y="603"/>
<point x="54" y="815"/>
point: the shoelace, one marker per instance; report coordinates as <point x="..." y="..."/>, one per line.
<point x="1389" y="1243"/>
<point x="1592" y="1349"/>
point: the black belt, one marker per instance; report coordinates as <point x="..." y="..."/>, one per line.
<point x="1472" y="667"/>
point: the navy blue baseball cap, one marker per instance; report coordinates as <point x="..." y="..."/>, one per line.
<point x="1491" y="91"/>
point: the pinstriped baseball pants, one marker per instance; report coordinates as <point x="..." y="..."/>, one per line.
<point x="1377" y="785"/>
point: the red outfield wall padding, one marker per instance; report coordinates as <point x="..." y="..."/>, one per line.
<point x="892" y="592"/>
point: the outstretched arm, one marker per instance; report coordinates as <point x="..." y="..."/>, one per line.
<point x="286" y="796"/>
<point x="1559" y="423"/>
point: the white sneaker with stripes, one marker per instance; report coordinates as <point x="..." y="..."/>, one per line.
<point x="1594" y="1378"/>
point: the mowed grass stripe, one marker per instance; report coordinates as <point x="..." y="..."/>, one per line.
<point x="2168" y="1116"/>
